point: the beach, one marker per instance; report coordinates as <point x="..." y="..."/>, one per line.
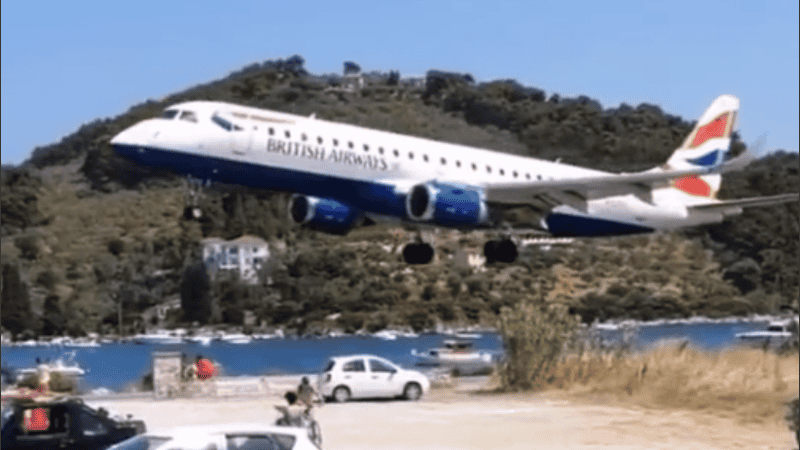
<point x="458" y="418"/>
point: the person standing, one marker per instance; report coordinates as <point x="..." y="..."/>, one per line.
<point x="307" y="394"/>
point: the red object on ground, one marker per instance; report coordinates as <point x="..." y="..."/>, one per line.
<point x="38" y="420"/>
<point x="205" y="369"/>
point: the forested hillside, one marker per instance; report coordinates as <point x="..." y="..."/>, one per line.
<point x="84" y="230"/>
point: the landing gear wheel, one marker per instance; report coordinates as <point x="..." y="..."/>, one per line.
<point x="504" y="250"/>
<point x="341" y="394"/>
<point x="412" y="392"/>
<point x="418" y="253"/>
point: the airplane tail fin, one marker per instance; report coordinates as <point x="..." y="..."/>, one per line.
<point x="706" y="147"/>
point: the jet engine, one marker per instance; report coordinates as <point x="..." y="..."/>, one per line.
<point x="323" y="214"/>
<point x="447" y="205"/>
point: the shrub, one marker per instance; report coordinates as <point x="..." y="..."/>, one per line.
<point x="793" y="417"/>
<point x="535" y="334"/>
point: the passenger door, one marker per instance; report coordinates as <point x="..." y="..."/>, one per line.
<point x="355" y="376"/>
<point x="382" y="379"/>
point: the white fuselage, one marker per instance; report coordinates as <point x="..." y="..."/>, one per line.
<point x="359" y="166"/>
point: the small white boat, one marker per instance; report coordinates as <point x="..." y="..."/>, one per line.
<point x="205" y="341"/>
<point x="81" y="342"/>
<point x="386" y="335"/>
<point x="63" y="366"/>
<point x="237" y="338"/>
<point x="777" y="333"/>
<point x="455" y="353"/>
<point x="158" y="338"/>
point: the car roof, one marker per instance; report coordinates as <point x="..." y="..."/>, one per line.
<point x="341" y="358"/>
<point x="189" y="430"/>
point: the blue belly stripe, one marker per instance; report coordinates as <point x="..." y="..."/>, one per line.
<point x="368" y="196"/>
<point x="566" y="225"/>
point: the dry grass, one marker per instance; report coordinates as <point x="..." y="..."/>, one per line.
<point x="749" y="385"/>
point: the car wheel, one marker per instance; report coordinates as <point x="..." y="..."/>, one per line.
<point x="412" y="391"/>
<point x="341" y="394"/>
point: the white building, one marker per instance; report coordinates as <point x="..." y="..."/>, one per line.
<point x="245" y="254"/>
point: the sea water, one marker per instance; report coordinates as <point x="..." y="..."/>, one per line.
<point x="118" y="365"/>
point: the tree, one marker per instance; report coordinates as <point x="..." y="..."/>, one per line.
<point x="15" y="303"/>
<point x="195" y="298"/>
<point x="351" y="68"/>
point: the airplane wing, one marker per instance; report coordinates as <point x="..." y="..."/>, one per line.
<point x="576" y="192"/>
<point x="730" y="207"/>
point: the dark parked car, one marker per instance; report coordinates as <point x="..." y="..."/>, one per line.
<point x="62" y="423"/>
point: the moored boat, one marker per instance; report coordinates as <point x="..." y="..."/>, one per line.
<point x="457" y="354"/>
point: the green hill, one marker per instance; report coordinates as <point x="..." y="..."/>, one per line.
<point x="83" y="229"/>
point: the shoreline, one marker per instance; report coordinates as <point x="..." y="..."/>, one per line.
<point x="94" y="340"/>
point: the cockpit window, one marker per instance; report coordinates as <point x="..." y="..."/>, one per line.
<point x="225" y="124"/>
<point x="169" y="114"/>
<point x="189" y="116"/>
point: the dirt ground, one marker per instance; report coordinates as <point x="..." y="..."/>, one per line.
<point x="450" y="419"/>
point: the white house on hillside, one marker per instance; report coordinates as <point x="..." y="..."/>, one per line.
<point x="245" y="254"/>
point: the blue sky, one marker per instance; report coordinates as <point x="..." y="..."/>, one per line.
<point x="68" y="63"/>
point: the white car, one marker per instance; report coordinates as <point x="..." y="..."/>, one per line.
<point x="221" y="437"/>
<point x="369" y="376"/>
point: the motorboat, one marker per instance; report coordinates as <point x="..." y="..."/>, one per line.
<point x="65" y="365"/>
<point x="158" y="338"/>
<point x="237" y="338"/>
<point x="777" y="333"/>
<point x="457" y="354"/>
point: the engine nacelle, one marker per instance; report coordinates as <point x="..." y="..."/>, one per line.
<point x="323" y="214"/>
<point x="447" y="205"/>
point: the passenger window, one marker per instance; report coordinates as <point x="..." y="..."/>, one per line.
<point x="169" y="114"/>
<point x="319" y="139"/>
<point x="527" y="176"/>
<point x="514" y="173"/>
<point x="350" y="144"/>
<point x="380" y="150"/>
<point x="410" y="155"/>
<point x="474" y="166"/>
<point x="443" y="161"/>
<point x="489" y="169"/>
<point x="539" y="176"/>
<point x="425" y="158"/>
<point x="356" y="365"/>
<point x="502" y="172"/>
<point x="303" y="136"/>
<point x="378" y="366"/>
<point x="366" y="147"/>
<point x="189" y="116"/>
<point x="271" y="131"/>
<point x="335" y="142"/>
<point x="287" y="134"/>
<point x="396" y="153"/>
<point x="458" y="163"/>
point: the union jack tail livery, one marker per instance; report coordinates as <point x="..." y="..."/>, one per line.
<point x="706" y="147"/>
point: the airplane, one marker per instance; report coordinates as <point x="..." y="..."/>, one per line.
<point x="342" y="175"/>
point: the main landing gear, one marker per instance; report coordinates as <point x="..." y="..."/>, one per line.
<point x="500" y="250"/>
<point x="496" y="250"/>
<point x="418" y="253"/>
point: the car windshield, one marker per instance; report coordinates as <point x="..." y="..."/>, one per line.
<point x="141" y="443"/>
<point x="329" y="366"/>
